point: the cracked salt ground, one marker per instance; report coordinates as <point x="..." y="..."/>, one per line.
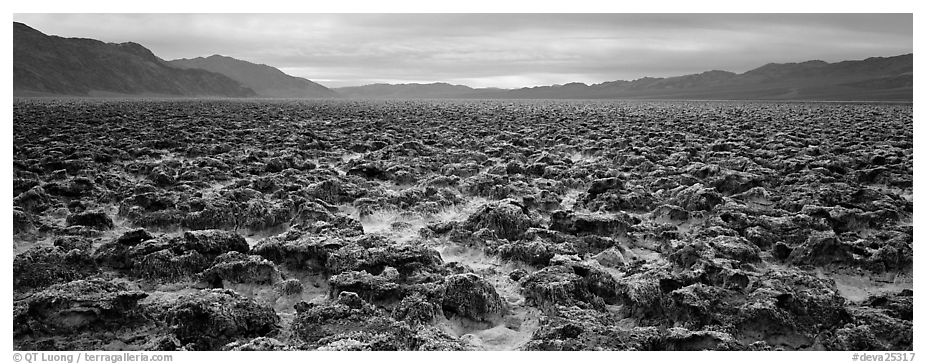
<point x="404" y="227"/>
<point x="660" y="226"/>
<point x="253" y="236"/>
<point x="339" y="162"/>
<point x="314" y="289"/>
<point x="59" y="218"/>
<point x="515" y="328"/>
<point x="519" y="322"/>
<point x="569" y="198"/>
<point x="857" y="287"/>
<point x="582" y="158"/>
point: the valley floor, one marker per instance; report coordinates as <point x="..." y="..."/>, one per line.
<point x="461" y="225"/>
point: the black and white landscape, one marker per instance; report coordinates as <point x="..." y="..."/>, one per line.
<point x="215" y="202"/>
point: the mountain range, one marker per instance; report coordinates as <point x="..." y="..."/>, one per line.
<point x="266" y="81"/>
<point x="872" y="79"/>
<point x="50" y="65"/>
<point x="414" y="90"/>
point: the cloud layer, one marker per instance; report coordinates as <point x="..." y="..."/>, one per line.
<point x="496" y="50"/>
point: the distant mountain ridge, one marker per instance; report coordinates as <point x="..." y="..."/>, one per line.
<point x="51" y="65"/>
<point x="265" y="80"/>
<point x="410" y="90"/>
<point x="872" y="79"/>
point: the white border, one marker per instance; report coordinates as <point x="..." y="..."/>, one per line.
<point x="371" y="6"/>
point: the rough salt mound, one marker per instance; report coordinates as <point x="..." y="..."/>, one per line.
<point x="469" y="296"/>
<point x="214" y="242"/>
<point x="43" y="266"/>
<point x="349" y="323"/>
<point x="209" y="319"/>
<point x="506" y="219"/>
<point x="94" y="219"/>
<point x="82" y="306"/>
<point x="237" y="267"/>
<point x="168" y="258"/>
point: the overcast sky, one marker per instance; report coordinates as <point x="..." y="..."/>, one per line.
<point x="496" y="50"/>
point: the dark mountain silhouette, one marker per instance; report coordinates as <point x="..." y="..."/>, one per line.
<point x="872" y="79"/>
<point x="54" y="65"/>
<point x="265" y="80"/>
